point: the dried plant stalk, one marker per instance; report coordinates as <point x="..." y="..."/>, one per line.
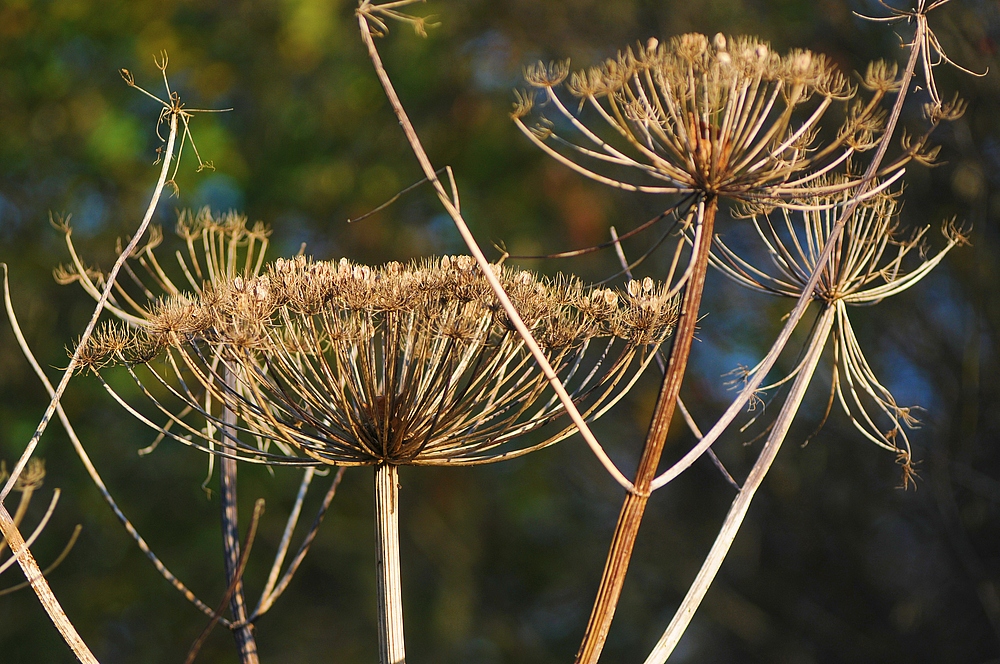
<point x="737" y="512"/>
<point x="630" y="517"/>
<point x="246" y="644"/>
<point x="390" y="588"/>
<point x="33" y="573"/>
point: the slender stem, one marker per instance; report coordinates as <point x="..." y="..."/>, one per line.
<point x="24" y="558"/>
<point x="71" y="367"/>
<point x="88" y="464"/>
<point x="266" y="601"/>
<point x="33" y="573"/>
<point x="632" y="510"/>
<point x="390" y="590"/>
<point x="286" y="539"/>
<point x="242" y="630"/>
<point x="738" y="510"/>
<point x="453" y="211"/>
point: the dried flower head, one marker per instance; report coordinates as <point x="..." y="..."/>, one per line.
<point x="219" y="248"/>
<point x="348" y="364"/>
<point x="31" y="477"/>
<point x="869" y="262"/>
<point x="716" y="116"/>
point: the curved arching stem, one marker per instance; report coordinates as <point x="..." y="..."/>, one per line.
<point x="741" y="504"/>
<point x="92" y="323"/>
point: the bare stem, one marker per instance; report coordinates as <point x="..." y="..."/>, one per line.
<point x="242" y="630"/>
<point x="71" y="367"/>
<point x="88" y="464"/>
<point x="451" y="207"/>
<point x="24" y="558"/>
<point x="632" y="510"/>
<point x="390" y="591"/>
<point x="267" y="599"/>
<point x="741" y="504"/>
<point x="33" y="573"/>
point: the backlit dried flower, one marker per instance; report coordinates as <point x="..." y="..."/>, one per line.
<point x="869" y="263"/>
<point x="400" y="364"/>
<point x="720" y="117"/>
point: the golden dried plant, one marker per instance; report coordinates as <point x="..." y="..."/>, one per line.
<point x="869" y="262"/>
<point x="719" y="116"/>
<point x="400" y="364"/>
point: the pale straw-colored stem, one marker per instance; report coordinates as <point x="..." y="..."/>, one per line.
<point x="31" y="570"/>
<point x="38" y="528"/>
<point x="463" y="229"/>
<point x="738" y="510"/>
<point x="33" y="573"/>
<point x="286" y="539"/>
<point x="89" y="465"/>
<point x="390" y="589"/>
<point x="71" y="367"/>
<point x="268" y="599"/>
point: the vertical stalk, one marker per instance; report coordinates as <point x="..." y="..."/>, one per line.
<point x="242" y="630"/>
<point x="390" y="591"/>
<point x="632" y="510"/>
<point x="452" y="208"/>
<point x="738" y="511"/>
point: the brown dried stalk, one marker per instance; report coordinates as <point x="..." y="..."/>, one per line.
<point x="696" y="115"/>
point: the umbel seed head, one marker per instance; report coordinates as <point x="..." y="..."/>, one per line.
<point x="348" y="364"/>
<point x="720" y="116"/>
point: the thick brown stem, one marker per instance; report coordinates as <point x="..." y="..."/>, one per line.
<point x="630" y="517"/>
<point x="243" y="631"/>
<point x="390" y="594"/>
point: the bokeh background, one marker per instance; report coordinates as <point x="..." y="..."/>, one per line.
<point x="834" y="564"/>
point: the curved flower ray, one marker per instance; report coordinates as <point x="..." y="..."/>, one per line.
<point x="869" y="262"/>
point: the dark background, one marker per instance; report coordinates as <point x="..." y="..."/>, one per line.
<point x="834" y="563"/>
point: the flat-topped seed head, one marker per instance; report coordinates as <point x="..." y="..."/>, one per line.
<point x="319" y="350"/>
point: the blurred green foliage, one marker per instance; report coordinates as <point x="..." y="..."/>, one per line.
<point x="500" y="563"/>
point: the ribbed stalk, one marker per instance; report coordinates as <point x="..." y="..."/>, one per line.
<point x="390" y="591"/>
<point x="245" y="641"/>
<point x="630" y="517"/>
<point x="741" y="504"/>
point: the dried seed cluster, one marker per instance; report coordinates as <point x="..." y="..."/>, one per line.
<point x="218" y="248"/>
<point x="708" y="115"/>
<point x="356" y="365"/>
<point x="868" y="264"/>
